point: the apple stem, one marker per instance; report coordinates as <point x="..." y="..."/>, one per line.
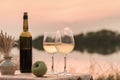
<point x="37" y="65"/>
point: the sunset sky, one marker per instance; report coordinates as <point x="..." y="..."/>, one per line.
<point x="51" y="15"/>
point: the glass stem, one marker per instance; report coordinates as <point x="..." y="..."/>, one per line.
<point x="52" y="67"/>
<point x="65" y="60"/>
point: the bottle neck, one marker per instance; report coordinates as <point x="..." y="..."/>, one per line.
<point x="25" y="25"/>
<point x="25" y="22"/>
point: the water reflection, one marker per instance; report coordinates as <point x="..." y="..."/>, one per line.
<point x="77" y="62"/>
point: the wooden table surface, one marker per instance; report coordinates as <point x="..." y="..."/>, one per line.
<point x="30" y="76"/>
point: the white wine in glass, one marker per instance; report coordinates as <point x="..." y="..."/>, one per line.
<point x="49" y="46"/>
<point x="65" y="48"/>
<point x="65" y="44"/>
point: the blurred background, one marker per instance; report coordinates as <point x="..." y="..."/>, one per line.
<point x="95" y="24"/>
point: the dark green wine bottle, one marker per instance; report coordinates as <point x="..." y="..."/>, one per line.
<point x="25" y="47"/>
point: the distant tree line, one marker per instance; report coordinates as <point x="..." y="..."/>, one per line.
<point x="102" y="42"/>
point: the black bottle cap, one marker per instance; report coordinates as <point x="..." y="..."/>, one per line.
<point x="25" y="15"/>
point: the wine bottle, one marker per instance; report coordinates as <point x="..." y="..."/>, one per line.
<point x="25" y="47"/>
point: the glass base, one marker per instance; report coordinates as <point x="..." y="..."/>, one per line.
<point x="64" y="74"/>
<point x="51" y="73"/>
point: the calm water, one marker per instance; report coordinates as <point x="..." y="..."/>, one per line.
<point x="76" y="62"/>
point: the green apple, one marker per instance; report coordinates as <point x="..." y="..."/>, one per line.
<point x="39" y="68"/>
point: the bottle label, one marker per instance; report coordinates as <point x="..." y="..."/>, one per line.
<point x="25" y="42"/>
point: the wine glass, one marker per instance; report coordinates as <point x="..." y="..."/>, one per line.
<point x="65" y="44"/>
<point x="49" y="46"/>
